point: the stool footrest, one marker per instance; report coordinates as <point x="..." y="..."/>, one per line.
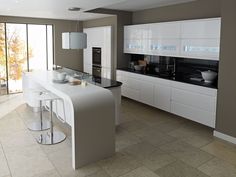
<point x="51" y="138"/>
<point x="39" y="126"/>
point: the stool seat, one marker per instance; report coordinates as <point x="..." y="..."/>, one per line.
<point x="41" y="124"/>
<point x="47" y="96"/>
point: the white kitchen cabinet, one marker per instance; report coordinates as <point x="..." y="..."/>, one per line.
<point x="201" y="38"/>
<point x="99" y="37"/>
<point x="137" y="31"/>
<point x="165" y="47"/>
<point x="162" y="96"/>
<point x="165" y="30"/>
<point x="88" y="68"/>
<point x="200" y="48"/>
<point x="198" y="39"/>
<point x="201" y="28"/>
<point x="192" y="102"/>
<point x="146" y="92"/>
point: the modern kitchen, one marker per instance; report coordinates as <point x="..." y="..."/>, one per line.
<point x="117" y="88"/>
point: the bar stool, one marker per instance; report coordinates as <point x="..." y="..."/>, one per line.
<point x="51" y="137"/>
<point x="41" y="124"/>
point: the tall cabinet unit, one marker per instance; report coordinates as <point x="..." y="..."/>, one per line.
<point x="100" y="37"/>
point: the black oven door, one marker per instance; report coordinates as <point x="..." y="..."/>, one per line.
<point x="97" y="56"/>
<point x="97" y="71"/>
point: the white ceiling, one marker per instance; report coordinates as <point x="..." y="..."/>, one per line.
<point x="58" y="9"/>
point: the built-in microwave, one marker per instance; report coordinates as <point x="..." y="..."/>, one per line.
<point x="97" y="56"/>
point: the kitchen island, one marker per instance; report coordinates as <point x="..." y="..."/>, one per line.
<point x="89" y="110"/>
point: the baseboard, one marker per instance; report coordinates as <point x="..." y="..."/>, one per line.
<point x="225" y="137"/>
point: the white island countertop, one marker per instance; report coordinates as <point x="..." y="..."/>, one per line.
<point x="90" y="110"/>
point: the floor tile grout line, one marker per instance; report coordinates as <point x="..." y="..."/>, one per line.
<point x="8" y="166"/>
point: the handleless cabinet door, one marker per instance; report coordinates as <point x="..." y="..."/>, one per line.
<point x="201" y="48"/>
<point x="162" y="96"/>
<point x="166" y="30"/>
<point x="166" y="47"/>
<point x="201" y="29"/>
<point x="146" y="92"/>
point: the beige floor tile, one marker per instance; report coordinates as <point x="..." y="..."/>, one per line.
<point x="186" y="153"/>
<point x="11" y="123"/>
<point x="88" y="170"/>
<point x="140" y="150"/>
<point x="179" y="169"/>
<point x="133" y="125"/>
<point x="195" y="135"/>
<point x="218" y="168"/>
<point x="141" y="172"/>
<point x="57" y="147"/>
<point x="157" y="138"/>
<point x="157" y="160"/>
<point x="51" y="173"/>
<point x="28" y="161"/>
<point x="15" y="140"/>
<point x="125" y="139"/>
<point x="169" y="125"/>
<point x="119" y="164"/>
<point x="62" y="160"/>
<point x="4" y="170"/>
<point x="222" y="150"/>
<point x="100" y="173"/>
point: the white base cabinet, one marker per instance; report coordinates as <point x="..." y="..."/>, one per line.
<point x="193" y="102"/>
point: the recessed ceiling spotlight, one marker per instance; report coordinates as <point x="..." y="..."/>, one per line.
<point x="74" y="9"/>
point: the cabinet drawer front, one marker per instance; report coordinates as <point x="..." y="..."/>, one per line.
<point x="130" y="93"/>
<point x="194" y="114"/>
<point x="201" y="48"/>
<point x="194" y="88"/>
<point x="196" y="100"/>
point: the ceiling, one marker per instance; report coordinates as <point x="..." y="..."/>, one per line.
<point x="58" y="9"/>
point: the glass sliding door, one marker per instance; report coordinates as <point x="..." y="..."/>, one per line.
<point x="16" y="55"/>
<point x="50" y="47"/>
<point x="3" y="63"/>
<point x="23" y="47"/>
<point x="37" y="45"/>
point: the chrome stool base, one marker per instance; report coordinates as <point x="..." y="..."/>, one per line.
<point x="39" y="126"/>
<point x="51" y="138"/>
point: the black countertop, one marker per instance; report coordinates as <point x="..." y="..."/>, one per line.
<point x="99" y="81"/>
<point x="175" y="78"/>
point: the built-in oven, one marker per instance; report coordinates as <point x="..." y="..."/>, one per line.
<point x="97" y="56"/>
<point x="97" y="71"/>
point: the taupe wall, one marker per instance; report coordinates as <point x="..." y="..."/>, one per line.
<point x="226" y="102"/>
<point x="226" y="112"/>
<point x="185" y="11"/>
<point x="68" y="58"/>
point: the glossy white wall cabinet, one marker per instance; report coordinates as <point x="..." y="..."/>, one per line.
<point x="193" y="102"/>
<point x="191" y="39"/>
<point x="201" y="38"/>
<point x="99" y="37"/>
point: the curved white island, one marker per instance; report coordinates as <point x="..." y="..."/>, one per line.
<point x="89" y="110"/>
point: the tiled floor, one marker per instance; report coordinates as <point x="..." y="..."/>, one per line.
<point x="149" y="143"/>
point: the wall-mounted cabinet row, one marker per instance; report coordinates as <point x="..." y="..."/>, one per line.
<point x="191" y="39"/>
<point x="190" y="101"/>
